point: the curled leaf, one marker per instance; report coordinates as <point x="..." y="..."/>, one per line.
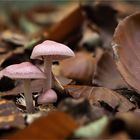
<point x="99" y="94"/>
<point x="80" y="68"/>
<point x="127" y="49"/>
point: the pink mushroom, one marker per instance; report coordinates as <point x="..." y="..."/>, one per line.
<point x="25" y="71"/>
<point x="49" y="96"/>
<point x="50" y="51"/>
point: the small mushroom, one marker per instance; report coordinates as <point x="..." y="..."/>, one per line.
<point x="50" y="51"/>
<point x="49" y="96"/>
<point x="25" y="71"/>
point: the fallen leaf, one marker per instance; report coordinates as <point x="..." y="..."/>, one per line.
<point x="106" y="73"/>
<point x="67" y="25"/>
<point x="12" y="37"/>
<point x="10" y="116"/>
<point x="36" y="86"/>
<point x="120" y="136"/>
<point x="126" y="49"/>
<point x="101" y="14"/>
<point x="97" y="94"/>
<point x="124" y="8"/>
<point x="43" y="14"/>
<point x="56" y="125"/>
<point x="81" y="110"/>
<point x="130" y="123"/>
<point x="80" y="68"/>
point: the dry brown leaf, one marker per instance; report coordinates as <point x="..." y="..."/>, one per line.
<point x="36" y="86"/>
<point x="127" y="48"/>
<point x="12" y="57"/>
<point x="97" y="94"/>
<point x="131" y="122"/>
<point x="117" y="136"/>
<point x="104" y="16"/>
<point x="80" y="68"/>
<point x="56" y="125"/>
<point x="4" y="57"/>
<point x="14" y="38"/>
<point x="67" y="25"/>
<point x="106" y="73"/>
<point x="120" y="136"/>
<point x="81" y="110"/>
<point x="10" y="116"/>
<point x="125" y="125"/>
<point x="124" y="8"/>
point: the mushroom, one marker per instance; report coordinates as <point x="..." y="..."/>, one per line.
<point x="50" y="51"/>
<point x="25" y="71"/>
<point x="49" y="96"/>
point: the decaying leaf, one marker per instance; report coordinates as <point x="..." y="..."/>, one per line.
<point x="132" y="123"/>
<point x="81" y="110"/>
<point x="36" y="86"/>
<point x="56" y="125"/>
<point x="44" y="14"/>
<point x="4" y="57"/>
<point x="127" y="123"/>
<point x="124" y="8"/>
<point x="118" y="136"/>
<point x="127" y="48"/>
<point x="12" y="37"/>
<point x="104" y="16"/>
<point x="10" y="116"/>
<point x="106" y="73"/>
<point x="71" y="22"/>
<point x="98" y="94"/>
<point x="80" y="68"/>
<point x="95" y="109"/>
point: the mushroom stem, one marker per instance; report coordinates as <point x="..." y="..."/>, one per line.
<point x="28" y="96"/>
<point x="47" y="71"/>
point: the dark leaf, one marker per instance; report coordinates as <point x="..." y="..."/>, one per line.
<point x="80" y="68"/>
<point x="15" y="38"/>
<point x="126" y="49"/>
<point x="56" y="125"/>
<point x="67" y="25"/>
<point x="10" y="116"/>
<point x="81" y="110"/>
<point x="127" y="122"/>
<point x="106" y="73"/>
<point x="96" y="94"/>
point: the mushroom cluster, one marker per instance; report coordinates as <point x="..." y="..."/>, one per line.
<point x="48" y="51"/>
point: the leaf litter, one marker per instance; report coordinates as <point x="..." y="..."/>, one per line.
<point x="97" y="98"/>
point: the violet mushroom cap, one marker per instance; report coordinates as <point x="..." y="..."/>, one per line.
<point x="49" y="96"/>
<point x="50" y="51"/>
<point x="25" y="71"/>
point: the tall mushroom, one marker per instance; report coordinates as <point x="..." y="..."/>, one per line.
<point x="50" y="51"/>
<point x="25" y="71"/>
